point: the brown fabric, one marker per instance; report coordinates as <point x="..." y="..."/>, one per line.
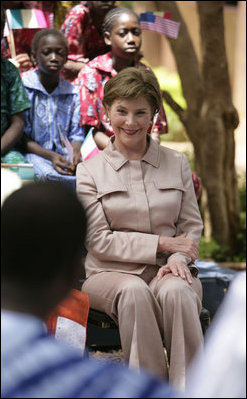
<point x="149" y="312"/>
<point x="129" y="204"/>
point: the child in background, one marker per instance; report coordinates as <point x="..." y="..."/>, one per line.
<point x="55" y="109"/>
<point x="60" y="11"/>
<point x="82" y="28"/>
<point x="122" y="32"/>
<point x="23" y="36"/>
<point x="14" y="102"/>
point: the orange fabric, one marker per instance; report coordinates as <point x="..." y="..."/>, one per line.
<point x="75" y="307"/>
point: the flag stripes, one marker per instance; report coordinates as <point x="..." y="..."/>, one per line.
<point x="158" y="24"/>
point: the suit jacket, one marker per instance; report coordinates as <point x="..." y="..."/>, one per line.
<point x="129" y="204"/>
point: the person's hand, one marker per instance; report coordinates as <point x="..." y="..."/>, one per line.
<point x="61" y="166"/>
<point x="24" y="62"/>
<point x="178" y="269"/>
<point x="180" y="243"/>
<point x="77" y="156"/>
<point x="101" y="139"/>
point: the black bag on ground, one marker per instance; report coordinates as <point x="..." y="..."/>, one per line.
<point x="215" y="281"/>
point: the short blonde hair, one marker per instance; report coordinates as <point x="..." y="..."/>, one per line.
<point x="133" y="83"/>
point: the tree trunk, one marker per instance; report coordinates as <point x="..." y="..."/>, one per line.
<point x="210" y="117"/>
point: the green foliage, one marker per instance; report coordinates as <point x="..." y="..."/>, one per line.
<point x="221" y="253"/>
<point x="191" y="159"/>
<point x="170" y="81"/>
<point x="241" y="237"/>
<point x="127" y="4"/>
<point x="212" y="250"/>
<point x="242" y="193"/>
<point x="241" y="240"/>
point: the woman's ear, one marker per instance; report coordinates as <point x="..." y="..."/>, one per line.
<point x="107" y="109"/>
<point x="107" y="38"/>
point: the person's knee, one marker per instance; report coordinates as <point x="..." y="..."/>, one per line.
<point x="175" y="289"/>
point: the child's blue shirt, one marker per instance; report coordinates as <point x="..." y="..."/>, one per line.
<point x="62" y="107"/>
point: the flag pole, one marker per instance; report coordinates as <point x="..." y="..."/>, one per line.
<point x="10" y="38"/>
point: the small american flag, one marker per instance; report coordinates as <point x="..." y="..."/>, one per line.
<point x="165" y="26"/>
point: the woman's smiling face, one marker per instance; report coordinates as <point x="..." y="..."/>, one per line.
<point x="130" y="119"/>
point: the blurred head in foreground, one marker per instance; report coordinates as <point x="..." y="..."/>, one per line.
<point x="43" y="227"/>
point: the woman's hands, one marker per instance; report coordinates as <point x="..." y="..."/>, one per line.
<point x="178" y="269"/>
<point x="180" y="243"/>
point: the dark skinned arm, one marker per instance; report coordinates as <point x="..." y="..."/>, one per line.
<point x="13" y="134"/>
<point x="77" y="152"/>
<point x="72" y="68"/>
<point x="58" y="161"/>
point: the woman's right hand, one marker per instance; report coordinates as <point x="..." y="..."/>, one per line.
<point x="60" y="164"/>
<point x="181" y="243"/>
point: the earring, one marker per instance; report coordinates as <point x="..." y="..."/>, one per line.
<point x="151" y="122"/>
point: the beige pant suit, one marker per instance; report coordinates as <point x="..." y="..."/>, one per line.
<point x="129" y="204"/>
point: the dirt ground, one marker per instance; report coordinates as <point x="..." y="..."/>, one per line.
<point x="113" y="355"/>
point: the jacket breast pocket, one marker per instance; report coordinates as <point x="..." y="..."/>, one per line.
<point x="114" y="200"/>
<point x="169" y="197"/>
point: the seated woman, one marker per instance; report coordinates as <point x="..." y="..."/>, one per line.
<point x="122" y="32"/>
<point x="55" y="109"/>
<point x="144" y="228"/>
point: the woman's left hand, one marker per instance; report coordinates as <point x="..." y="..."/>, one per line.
<point x="178" y="269"/>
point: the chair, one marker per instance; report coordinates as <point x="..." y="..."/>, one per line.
<point x="102" y="331"/>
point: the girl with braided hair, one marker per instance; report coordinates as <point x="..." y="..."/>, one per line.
<point x="122" y="32"/>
